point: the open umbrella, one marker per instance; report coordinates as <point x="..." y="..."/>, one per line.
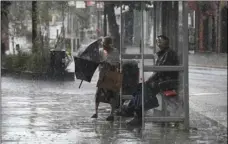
<point x="91" y="51"/>
<point x="87" y="61"/>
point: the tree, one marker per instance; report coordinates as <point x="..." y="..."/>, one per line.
<point x="110" y="11"/>
<point x="18" y="14"/>
<point x="61" y="7"/>
<point x="34" y="27"/>
<point x="5" y="24"/>
<point x="45" y="18"/>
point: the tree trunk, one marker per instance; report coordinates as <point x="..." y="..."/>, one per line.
<point x="34" y="27"/>
<point x="113" y="27"/>
<point x="63" y="25"/>
<point x="105" y="23"/>
<point x="47" y="25"/>
<point x="5" y="26"/>
<point x="224" y="29"/>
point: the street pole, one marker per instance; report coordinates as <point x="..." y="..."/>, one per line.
<point x="142" y="63"/>
<point x="98" y="20"/>
<point x="154" y="28"/>
<point x="185" y="63"/>
<point x="121" y="30"/>
<point x="63" y="30"/>
<point x="105" y="21"/>
<point x="72" y="30"/>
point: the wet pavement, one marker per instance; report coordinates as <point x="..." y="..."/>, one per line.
<point x="51" y="112"/>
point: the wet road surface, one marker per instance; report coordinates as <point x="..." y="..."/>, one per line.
<point x="46" y="112"/>
<point x="208" y="92"/>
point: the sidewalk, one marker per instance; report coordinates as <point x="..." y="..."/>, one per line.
<point x="59" y="113"/>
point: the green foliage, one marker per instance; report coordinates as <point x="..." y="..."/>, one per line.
<point x="36" y="62"/>
<point x="7" y="62"/>
<point x="44" y="8"/>
<point x="204" y="5"/>
<point x="20" y="61"/>
<point x="16" y="62"/>
<point x="5" y="5"/>
<point x="44" y="17"/>
<point x="58" y="6"/>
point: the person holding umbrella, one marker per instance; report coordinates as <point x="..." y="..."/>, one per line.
<point x="109" y="61"/>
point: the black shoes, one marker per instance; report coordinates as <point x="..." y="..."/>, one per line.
<point x="94" y="116"/>
<point x="136" y="121"/>
<point x="124" y="114"/>
<point x="110" y="118"/>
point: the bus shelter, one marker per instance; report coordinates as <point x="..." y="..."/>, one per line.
<point x="168" y="18"/>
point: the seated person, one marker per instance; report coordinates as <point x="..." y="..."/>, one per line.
<point x="166" y="56"/>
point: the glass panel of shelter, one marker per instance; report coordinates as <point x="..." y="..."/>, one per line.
<point x="170" y="22"/>
<point x="161" y="18"/>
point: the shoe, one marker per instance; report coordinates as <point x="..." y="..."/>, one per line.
<point x="110" y="118"/>
<point x="94" y="116"/>
<point x="135" y="122"/>
<point x="124" y="114"/>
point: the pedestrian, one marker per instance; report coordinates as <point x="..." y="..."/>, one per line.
<point x="166" y="56"/>
<point x="109" y="58"/>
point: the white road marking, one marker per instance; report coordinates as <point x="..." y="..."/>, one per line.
<point x="195" y="94"/>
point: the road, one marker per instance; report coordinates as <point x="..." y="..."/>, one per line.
<point x="59" y="113"/>
<point x="208" y="92"/>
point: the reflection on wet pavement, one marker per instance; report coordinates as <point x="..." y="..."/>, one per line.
<point x="58" y="113"/>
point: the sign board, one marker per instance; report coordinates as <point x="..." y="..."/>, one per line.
<point x="80" y="4"/>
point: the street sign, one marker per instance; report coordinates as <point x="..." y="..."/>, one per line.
<point x="90" y="3"/>
<point x="80" y="4"/>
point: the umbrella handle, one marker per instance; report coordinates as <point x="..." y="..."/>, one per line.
<point x="80" y="84"/>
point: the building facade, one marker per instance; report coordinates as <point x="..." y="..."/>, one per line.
<point x="210" y="26"/>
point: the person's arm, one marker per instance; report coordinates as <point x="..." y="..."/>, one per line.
<point x="155" y="75"/>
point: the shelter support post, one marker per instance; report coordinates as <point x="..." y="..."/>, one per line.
<point x="185" y="63"/>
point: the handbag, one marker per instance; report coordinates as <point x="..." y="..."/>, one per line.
<point x="111" y="80"/>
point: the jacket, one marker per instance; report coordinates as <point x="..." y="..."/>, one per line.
<point x="166" y="57"/>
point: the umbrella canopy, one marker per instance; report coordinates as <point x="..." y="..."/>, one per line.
<point x="87" y="61"/>
<point x="91" y="51"/>
<point x="84" y="69"/>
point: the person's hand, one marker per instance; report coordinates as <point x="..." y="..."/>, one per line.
<point x="104" y="63"/>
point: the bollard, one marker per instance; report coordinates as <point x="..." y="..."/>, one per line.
<point x="57" y="31"/>
<point x="17" y="47"/>
<point x="78" y="43"/>
<point x="74" y="45"/>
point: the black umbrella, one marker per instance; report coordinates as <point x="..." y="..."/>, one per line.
<point x="87" y="61"/>
<point x="91" y="51"/>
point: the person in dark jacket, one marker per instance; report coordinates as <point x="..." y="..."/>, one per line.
<point x="166" y="57"/>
